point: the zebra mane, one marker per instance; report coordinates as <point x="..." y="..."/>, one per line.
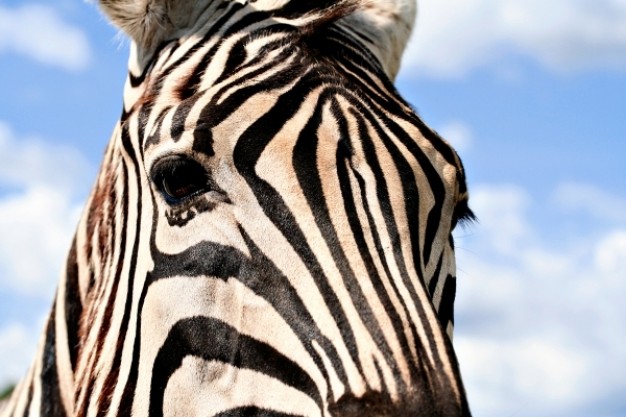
<point x="384" y="25"/>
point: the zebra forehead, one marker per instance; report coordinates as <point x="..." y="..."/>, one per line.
<point x="149" y="22"/>
<point x="384" y="26"/>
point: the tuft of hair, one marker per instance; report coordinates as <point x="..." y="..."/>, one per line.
<point x="383" y="25"/>
<point x="142" y="20"/>
<point x="326" y="11"/>
<point x="389" y="24"/>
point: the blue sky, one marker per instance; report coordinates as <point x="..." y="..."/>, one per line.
<point x="532" y="94"/>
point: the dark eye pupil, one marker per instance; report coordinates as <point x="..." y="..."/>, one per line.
<point x="178" y="178"/>
<point x="179" y="187"/>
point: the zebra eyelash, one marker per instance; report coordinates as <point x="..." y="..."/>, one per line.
<point x="463" y="215"/>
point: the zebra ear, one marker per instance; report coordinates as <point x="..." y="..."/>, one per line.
<point x="387" y="24"/>
<point x="139" y="19"/>
<point x="149" y="22"/>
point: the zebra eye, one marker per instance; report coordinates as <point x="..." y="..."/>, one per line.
<point x="178" y="178"/>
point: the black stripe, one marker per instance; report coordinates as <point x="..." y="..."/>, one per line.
<point x="72" y="304"/>
<point x="305" y="165"/>
<point x="252" y="411"/>
<point x="446" y="308"/>
<point x="286" y="301"/>
<point x="51" y="401"/>
<point x="434" y="280"/>
<point x="418" y="369"/>
<point x="214" y="340"/>
<point x="210" y="259"/>
<point x="247" y="152"/>
<point x="129" y="389"/>
<point x="29" y="399"/>
<point x="431" y="175"/>
<point x="425" y="373"/>
<point x="343" y="166"/>
<point x="112" y="378"/>
<point x="190" y="88"/>
<point x="202" y="259"/>
<point x="296" y="9"/>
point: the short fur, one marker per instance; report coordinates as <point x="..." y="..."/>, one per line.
<point x="387" y="25"/>
<point x="270" y="231"/>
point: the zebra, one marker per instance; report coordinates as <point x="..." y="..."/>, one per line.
<point x="270" y="233"/>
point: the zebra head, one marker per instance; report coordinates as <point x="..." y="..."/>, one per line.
<point x="270" y="232"/>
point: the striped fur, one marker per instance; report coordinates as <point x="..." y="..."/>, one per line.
<point x="270" y="232"/>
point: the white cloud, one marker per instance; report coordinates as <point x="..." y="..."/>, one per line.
<point x="501" y="210"/>
<point x="29" y="162"/>
<point x="591" y="200"/>
<point x="458" y="134"/>
<point x="610" y="254"/>
<point x="508" y="375"/>
<point x="453" y="37"/>
<point x="541" y="327"/>
<point x="18" y="344"/>
<point x="39" y="213"/>
<point x="43" y="186"/>
<point x="37" y="227"/>
<point x="38" y="32"/>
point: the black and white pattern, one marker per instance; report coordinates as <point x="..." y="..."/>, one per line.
<point x="270" y="232"/>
